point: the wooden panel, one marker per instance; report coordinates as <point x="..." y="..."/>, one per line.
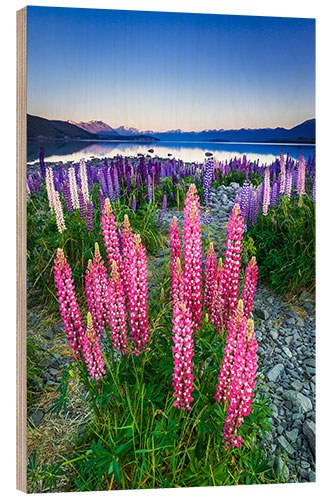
<point x="21" y="240"/>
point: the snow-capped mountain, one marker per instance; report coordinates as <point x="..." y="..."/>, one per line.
<point x="95" y="127"/>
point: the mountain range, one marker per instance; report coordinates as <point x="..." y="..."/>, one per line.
<point x="304" y="132"/>
<point x="97" y="130"/>
<point x="40" y="128"/>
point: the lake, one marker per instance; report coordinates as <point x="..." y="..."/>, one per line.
<point x="187" y="151"/>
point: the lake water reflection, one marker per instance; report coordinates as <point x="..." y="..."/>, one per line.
<point x="187" y="151"/>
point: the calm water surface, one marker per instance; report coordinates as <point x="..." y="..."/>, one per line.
<point x="187" y="151"/>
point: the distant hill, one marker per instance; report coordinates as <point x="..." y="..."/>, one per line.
<point x="56" y="129"/>
<point x="95" y="127"/>
<point x="302" y="133"/>
<point x="41" y="128"/>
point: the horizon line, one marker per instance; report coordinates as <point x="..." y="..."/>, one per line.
<point x="183" y="131"/>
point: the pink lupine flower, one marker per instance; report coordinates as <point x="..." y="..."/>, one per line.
<point x="241" y="390"/>
<point x="110" y="237"/>
<point x="175" y="248"/>
<point x="96" y="291"/>
<point x="235" y="337"/>
<point x="73" y="187"/>
<point x="289" y="183"/>
<point x="267" y="192"/>
<point x="117" y="311"/>
<point x="301" y="175"/>
<point x="282" y="174"/>
<point x="127" y="241"/>
<point x="210" y="279"/>
<point x="192" y="256"/>
<point x="138" y="295"/>
<point x="182" y="355"/>
<point x="177" y="283"/>
<point x="227" y="294"/>
<point x="249" y="288"/>
<point x="68" y="305"/>
<point x="215" y="316"/>
<point x="92" y="352"/>
<point x="59" y="212"/>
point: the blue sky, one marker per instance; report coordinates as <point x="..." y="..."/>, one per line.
<point x="160" y="71"/>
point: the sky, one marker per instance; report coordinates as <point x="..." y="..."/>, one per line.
<point x="160" y="71"/>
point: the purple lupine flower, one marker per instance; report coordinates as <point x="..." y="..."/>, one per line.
<point x="67" y="194"/>
<point x="90" y="212"/>
<point x="207" y="187"/>
<point x="172" y="196"/>
<point x="162" y="211"/>
<point x="313" y="189"/>
<point x="134" y="203"/>
<point x="110" y="184"/>
<point x="103" y="183"/>
<point x="101" y="200"/>
<point x="128" y="182"/>
<point x="116" y="184"/>
<point x="83" y="208"/>
<point x="137" y="181"/>
<point x="150" y="190"/>
<point x="41" y="162"/>
<point x="274" y="194"/>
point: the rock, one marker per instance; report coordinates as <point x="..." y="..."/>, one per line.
<point x="287" y="351"/>
<point x="261" y="313"/>
<point x="282" y="469"/>
<point x="36" y="418"/>
<point x="58" y="328"/>
<point x="297" y="385"/>
<point x="310" y="362"/>
<point x="275" y="372"/>
<point x="273" y="333"/>
<point x="309" y="430"/>
<point x="285" y="445"/>
<point x="312" y="476"/>
<point x="48" y="335"/>
<point x="298" y="399"/>
<point x="150" y="150"/>
<point x="304" y="296"/>
<point x="292" y="435"/>
<point x="234" y="185"/>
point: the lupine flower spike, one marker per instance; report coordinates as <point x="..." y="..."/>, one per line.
<point x="117" y="311"/>
<point x="229" y="283"/>
<point x="68" y="305"/>
<point x="110" y="237"/>
<point x="92" y="352"/>
<point x="192" y="256"/>
<point x="267" y="192"/>
<point x="175" y="248"/>
<point x="96" y="290"/>
<point x="182" y="355"/>
<point x="138" y="295"/>
<point x="210" y="279"/>
<point x="249" y="288"/>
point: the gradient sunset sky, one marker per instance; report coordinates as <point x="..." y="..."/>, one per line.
<point x="160" y="71"/>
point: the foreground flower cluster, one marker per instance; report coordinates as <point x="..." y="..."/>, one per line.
<point x="111" y="300"/>
<point x="229" y="315"/>
<point x="117" y="300"/>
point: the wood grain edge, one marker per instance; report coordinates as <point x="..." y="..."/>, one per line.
<point x="21" y="250"/>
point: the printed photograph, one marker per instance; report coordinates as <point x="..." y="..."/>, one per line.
<point x="171" y="194"/>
